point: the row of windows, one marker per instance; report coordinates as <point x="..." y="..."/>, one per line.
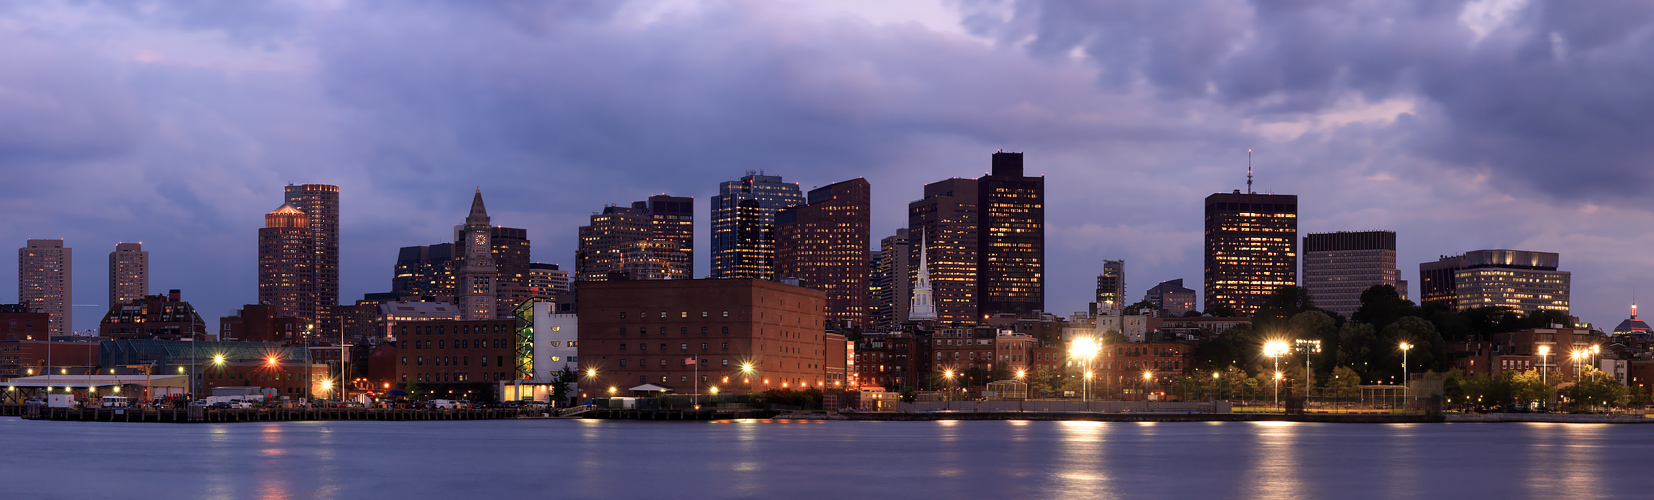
<point x="463" y="344"/>
<point x="682" y="330"/>
<point x="451" y="360"/>
<point x="681" y="314"/>
<point x="644" y="347"/>
<point x="458" y="330"/>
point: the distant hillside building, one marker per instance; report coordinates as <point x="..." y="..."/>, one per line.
<point x="165" y="317"/>
<point x="1171" y="297"/>
<point x="1339" y="266"/>
<point x="1519" y="279"/>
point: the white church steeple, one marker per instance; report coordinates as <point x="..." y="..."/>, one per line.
<point x="922" y="309"/>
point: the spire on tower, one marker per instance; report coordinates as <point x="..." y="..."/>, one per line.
<point x="922" y="308"/>
<point x="1249" y="171"/>
<point x="479" y="213"/>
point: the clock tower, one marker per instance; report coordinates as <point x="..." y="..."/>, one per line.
<point x="476" y="273"/>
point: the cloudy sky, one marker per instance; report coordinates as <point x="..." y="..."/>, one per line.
<point x="1460" y="125"/>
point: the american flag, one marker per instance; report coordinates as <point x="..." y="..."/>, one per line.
<point x="689" y="361"/>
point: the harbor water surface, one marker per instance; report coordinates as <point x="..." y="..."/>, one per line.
<point x="822" y="459"/>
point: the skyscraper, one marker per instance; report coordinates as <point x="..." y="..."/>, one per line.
<point x="476" y="273"/>
<point x="1521" y="280"/>
<point x="45" y="282"/>
<point x="743" y="221"/>
<point x="1251" y="248"/>
<point x="1111" y="285"/>
<point x="648" y="240"/>
<point x="320" y="203"/>
<point x="286" y="280"/>
<point x="947" y="219"/>
<point x="891" y="281"/>
<point x="1011" y="239"/>
<point x="128" y="273"/>
<point x="1436" y="282"/>
<point x="824" y="244"/>
<point x="425" y="270"/>
<point x="1339" y="266"/>
<point x="511" y="260"/>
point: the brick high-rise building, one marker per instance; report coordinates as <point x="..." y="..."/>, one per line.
<point x="476" y="275"/>
<point x="1339" y="266"/>
<point x="743" y="224"/>
<point x="286" y="280"/>
<point x="45" y="282"/>
<point x="823" y="244"/>
<point x="744" y="335"/>
<point x="946" y="221"/>
<point x="649" y="240"/>
<point x="1251" y="248"/>
<point x="320" y="202"/>
<point x="128" y="273"/>
<point x="1011" y="239"/>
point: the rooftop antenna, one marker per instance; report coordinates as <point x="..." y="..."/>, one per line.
<point x="1249" y="171"/>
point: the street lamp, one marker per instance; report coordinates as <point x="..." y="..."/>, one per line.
<point x="1578" y="356"/>
<point x="1405" y="391"/>
<point x="746" y="375"/>
<point x="1085" y="349"/>
<point x="1148" y="376"/>
<point x="1275" y="349"/>
<point x="949" y="375"/>
<point x="1544" y="354"/>
<point x="1215" y="378"/>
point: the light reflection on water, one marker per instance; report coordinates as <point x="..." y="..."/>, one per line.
<point x="822" y="459"/>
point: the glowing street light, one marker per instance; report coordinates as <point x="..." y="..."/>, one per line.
<point x="1579" y="356"/>
<point x="1085" y="349"/>
<point x="1544" y="355"/>
<point x="1275" y="349"/>
<point x="1404" y="377"/>
<point x="1148" y="376"/>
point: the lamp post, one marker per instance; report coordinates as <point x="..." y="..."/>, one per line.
<point x="1148" y="376"/>
<point x="746" y="373"/>
<point x="1578" y="356"/>
<point x="1405" y="390"/>
<point x="1544" y="354"/>
<point x="1215" y="378"/>
<point x="1085" y="349"/>
<point x="948" y="374"/>
<point x="1274" y="349"/>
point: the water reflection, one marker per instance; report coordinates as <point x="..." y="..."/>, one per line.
<point x="1563" y="464"/>
<point x="1081" y="466"/>
<point x="1275" y="469"/>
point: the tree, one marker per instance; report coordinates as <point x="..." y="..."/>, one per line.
<point x="1428" y="350"/>
<point x="1594" y="388"/>
<point x="1220" y="311"/>
<point x="1191" y="313"/>
<point x="412" y="388"/>
<point x="908" y="394"/>
<point x="1380" y="306"/>
<point x="1280" y="307"/>
<point x="1344" y="384"/>
<point x="1139" y="307"/>
<point x="1042" y="382"/>
<point x="560" y="384"/>
<point x="1317" y="325"/>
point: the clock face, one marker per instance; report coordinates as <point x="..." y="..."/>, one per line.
<point x="481" y="239"/>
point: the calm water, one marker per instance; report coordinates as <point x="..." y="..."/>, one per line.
<point x="597" y="459"/>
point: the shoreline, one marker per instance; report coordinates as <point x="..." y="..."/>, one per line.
<point x="1228" y="417"/>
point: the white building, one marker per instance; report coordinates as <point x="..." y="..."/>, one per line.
<point x="556" y="346"/>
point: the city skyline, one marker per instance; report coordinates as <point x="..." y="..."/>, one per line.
<point x="1447" y="173"/>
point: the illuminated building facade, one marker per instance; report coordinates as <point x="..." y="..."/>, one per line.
<point x="824" y="244"/>
<point x="476" y="274"/>
<point x="165" y="317"/>
<point x="1171" y="297"/>
<point x="1436" y="282"/>
<point x="546" y="280"/>
<point x="1339" y="266"/>
<point x="320" y="204"/>
<point x="1111" y="285"/>
<point x="511" y="265"/>
<point x="425" y="270"/>
<point x="651" y="239"/>
<point x="1011" y="237"/>
<point x="1251" y="248"/>
<point x="743" y="224"/>
<point x="890" y="284"/>
<point x="128" y="273"/>
<point x="45" y="282"/>
<point x="1521" y="280"/>
<point x="947" y="220"/>
<point x="286" y="279"/>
